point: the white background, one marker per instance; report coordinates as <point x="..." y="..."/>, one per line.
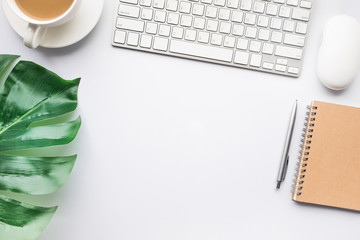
<point x="183" y="150"/>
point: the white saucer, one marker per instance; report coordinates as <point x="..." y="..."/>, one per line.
<point x="66" y="34"/>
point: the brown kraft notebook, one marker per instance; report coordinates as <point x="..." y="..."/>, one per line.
<point x="329" y="165"/>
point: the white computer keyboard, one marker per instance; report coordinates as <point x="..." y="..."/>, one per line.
<point x="263" y="35"/>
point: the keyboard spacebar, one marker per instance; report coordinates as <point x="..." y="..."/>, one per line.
<point x="199" y="50"/>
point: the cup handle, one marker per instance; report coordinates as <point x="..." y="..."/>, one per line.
<point x="33" y="36"/>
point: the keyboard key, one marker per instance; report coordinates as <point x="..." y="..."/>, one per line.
<point x="173" y="18"/>
<point x="276" y="23"/>
<point x="190" y="35"/>
<point x="269" y="66"/>
<point x="161" y="43"/>
<point x="272" y="9"/>
<point x="157" y="3"/>
<point x="204" y="37"/>
<point x="220" y="3"/>
<point x="229" y="42"/>
<point x="255" y="46"/>
<point x="147" y="14"/>
<point x="224" y="14"/>
<point x="198" y="9"/>
<point x="242" y="44"/>
<point x="216" y="39"/>
<point x="238" y="30"/>
<point x="237" y="16"/>
<point x="145" y="41"/>
<point x="129" y="11"/>
<point x="264" y="34"/>
<point x="284" y="12"/>
<point x="294" y="40"/>
<point x="289" y="26"/>
<point x="186" y="20"/>
<point x="268" y="48"/>
<point x="133" y="39"/>
<point x="251" y="32"/>
<point x="211" y="12"/>
<point x="146" y="3"/>
<point x="246" y="5"/>
<point x="250" y="18"/>
<point x="185" y="7"/>
<point x="199" y="23"/>
<point x="130" y="1"/>
<point x="293" y="70"/>
<point x="241" y="58"/>
<point x="160" y="16"/>
<point x="199" y="50"/>
<point x="301" y="28"/>
<point x="263" y="21"/>
<point x="212" y="25"/>
<point x="130" y="24"/>
<point x="255" y="60"/>
<point x="233" y="4"/>
<point x="301" y="14"/>
<point x="120" y="36"/>
<point x="280" y="68"/>
<point x="259" y="7"/>
<point x="276" y="37"/>
<point x="164" y="30"/>
<point x="288" y="52"/>
<point x="292" y="2"/>
<point x="282" y="61"/>
<point x="172" y="5"/>
<point x="305" y="4"/>
<point x="225" y="27"/>
<point x="177" y="32"/>
<point x="151" y="28"/>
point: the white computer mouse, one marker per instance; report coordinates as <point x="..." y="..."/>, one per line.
<point x="339" y="53"/>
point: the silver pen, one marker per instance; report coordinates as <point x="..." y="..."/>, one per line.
<point x="285" y="156"/>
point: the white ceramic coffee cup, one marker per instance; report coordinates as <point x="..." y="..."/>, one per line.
<point x="36" y="29"/>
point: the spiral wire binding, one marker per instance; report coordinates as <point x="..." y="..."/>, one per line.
<point x="304" y="151"/>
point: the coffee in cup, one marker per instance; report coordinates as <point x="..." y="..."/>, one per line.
<point x="44" y="10"/>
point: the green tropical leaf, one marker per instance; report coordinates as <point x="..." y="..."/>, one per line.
<point x="20" y="221"/>
<point x="5" y="62"/>
<point x="42" y="136"/>
<point x="32" y="93"/>
<point x="25" y="174"/>
<point x="30" y="99"/>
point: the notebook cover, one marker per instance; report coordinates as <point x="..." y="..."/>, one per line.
<point x="332" y="168"/>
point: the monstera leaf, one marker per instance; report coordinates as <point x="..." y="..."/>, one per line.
<point x="30" y="97"/>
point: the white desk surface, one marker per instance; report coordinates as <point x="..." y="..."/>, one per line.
<point x="177" y="149"/>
